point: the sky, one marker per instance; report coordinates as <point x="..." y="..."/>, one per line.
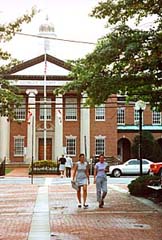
<point x="71" y="21"/>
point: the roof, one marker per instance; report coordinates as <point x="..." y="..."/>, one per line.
<point x="21" y="79"/>
<point x="37" y="60"/>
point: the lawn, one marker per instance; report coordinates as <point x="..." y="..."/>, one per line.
<point x="8" y="170"/>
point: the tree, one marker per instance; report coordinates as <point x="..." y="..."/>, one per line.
<point x="128" y="60"/>
<point x="150" y="147"/>
<point x="9" y="94"/>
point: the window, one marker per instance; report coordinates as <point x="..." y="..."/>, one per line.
<point x="71" y="146"/>
<point x="100" y="145"/>
<point x="136" y="117"/>
<point x="18" y="146"/>
<point x="20" y="112"/>
<point x="120" y="115"/>
<point x="48" y="109"/>
<point x="71" y="109"/>
<point x="133" y="162"/>
<point x="156" y="118"/>
<point x="100" y="112"/>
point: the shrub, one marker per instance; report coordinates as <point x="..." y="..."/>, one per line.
<point x="138" y="187"/>
<point x="44" y="166"/>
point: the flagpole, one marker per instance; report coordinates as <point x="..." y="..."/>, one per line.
<point x="45" y="104"/>
<point x="32" y="162"/>
<point x="45" y="29"/>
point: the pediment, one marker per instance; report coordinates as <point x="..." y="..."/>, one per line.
<point x="36" y="66"/>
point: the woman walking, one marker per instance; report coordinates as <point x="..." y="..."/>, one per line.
<point x="81" y="175"/>
<point x="100" y="179"/>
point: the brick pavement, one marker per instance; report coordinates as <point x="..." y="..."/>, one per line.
<point x="123" y="216"/>
<point x="16" y="209"/>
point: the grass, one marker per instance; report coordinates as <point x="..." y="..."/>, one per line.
<point x="8" y="170"/>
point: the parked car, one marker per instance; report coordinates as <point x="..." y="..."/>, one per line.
<point x="156" y="168"/>
<point x="130" y="167"/>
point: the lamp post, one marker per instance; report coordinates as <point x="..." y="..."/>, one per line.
<point x="140" y="106"/>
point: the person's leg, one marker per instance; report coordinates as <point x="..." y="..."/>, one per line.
<point x="104" y="190"/>
<point x="79" y="197"/>
<point x="60" y="169"/>
<point x="98" y="188"/>
<point x="69" y="172"/>
<point x="66" y="169"/>
<point x="85" y="196"/>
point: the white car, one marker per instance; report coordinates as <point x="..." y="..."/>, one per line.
<point x="130" y="167"/>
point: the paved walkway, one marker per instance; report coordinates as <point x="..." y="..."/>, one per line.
<point x="49" y="212"/>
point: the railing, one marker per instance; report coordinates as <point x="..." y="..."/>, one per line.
<point x="2" y="167"/>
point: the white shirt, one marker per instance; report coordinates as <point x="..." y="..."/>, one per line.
<point x="69" y="162"/>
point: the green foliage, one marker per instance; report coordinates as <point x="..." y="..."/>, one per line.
<point x="122" y="10"/>
<point x="147" y="145"/>
<point x="45" y="163"/>
<point x="127" y="60"/>
<point x="8" y="170"/>
<point x="157" y="152"/>
<point x="138" y="187"/>
<point x="150" y="148"/>
<point x="9" y="94"/>
<point x="44" y="166"/>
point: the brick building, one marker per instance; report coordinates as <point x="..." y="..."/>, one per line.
<point x="50" y="125"/>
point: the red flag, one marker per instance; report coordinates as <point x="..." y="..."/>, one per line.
<point x="59" y="115"/>
<point x="29" y="116"/>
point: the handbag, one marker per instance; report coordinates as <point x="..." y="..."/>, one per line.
<point x="74" y="185"/>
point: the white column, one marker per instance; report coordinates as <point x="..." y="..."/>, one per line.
<point x="31" y="124"/>
<point x="85" y="128"/>
<point x="58" y="126"/>
<point x="4" y="138"/>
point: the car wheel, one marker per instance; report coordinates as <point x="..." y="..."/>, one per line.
<point x="116" y="173"/>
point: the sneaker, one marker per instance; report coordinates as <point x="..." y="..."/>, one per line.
<point x="85" y="206"/>
<point x="79" y="205"/>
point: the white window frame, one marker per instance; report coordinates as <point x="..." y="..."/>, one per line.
<point x="20" y="112"/>
<point x="121" y="116"/>
<point x="100" y="112"/>
<point x="99" y="150"/>
<point x="19" y="146"/>
<point x="48" y="110"/>
<point x="156" y="118"/>
<point x="71" y="147"/>
<point x="70" y="109"/>
<point x="136" y="117"/>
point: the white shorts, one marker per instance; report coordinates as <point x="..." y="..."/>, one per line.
<point x="62" y="167"/>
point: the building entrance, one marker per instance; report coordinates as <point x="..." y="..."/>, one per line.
<point x="48" y="149"/>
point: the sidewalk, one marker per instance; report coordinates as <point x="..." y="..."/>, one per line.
<point x="49" y="212"/>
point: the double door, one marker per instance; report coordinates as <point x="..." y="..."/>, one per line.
<point x="48" y="149"/>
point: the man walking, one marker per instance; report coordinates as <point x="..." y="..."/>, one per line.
<point x="68" y="166"/>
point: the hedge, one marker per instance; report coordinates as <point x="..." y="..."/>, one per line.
<point x="44" y="167"/>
